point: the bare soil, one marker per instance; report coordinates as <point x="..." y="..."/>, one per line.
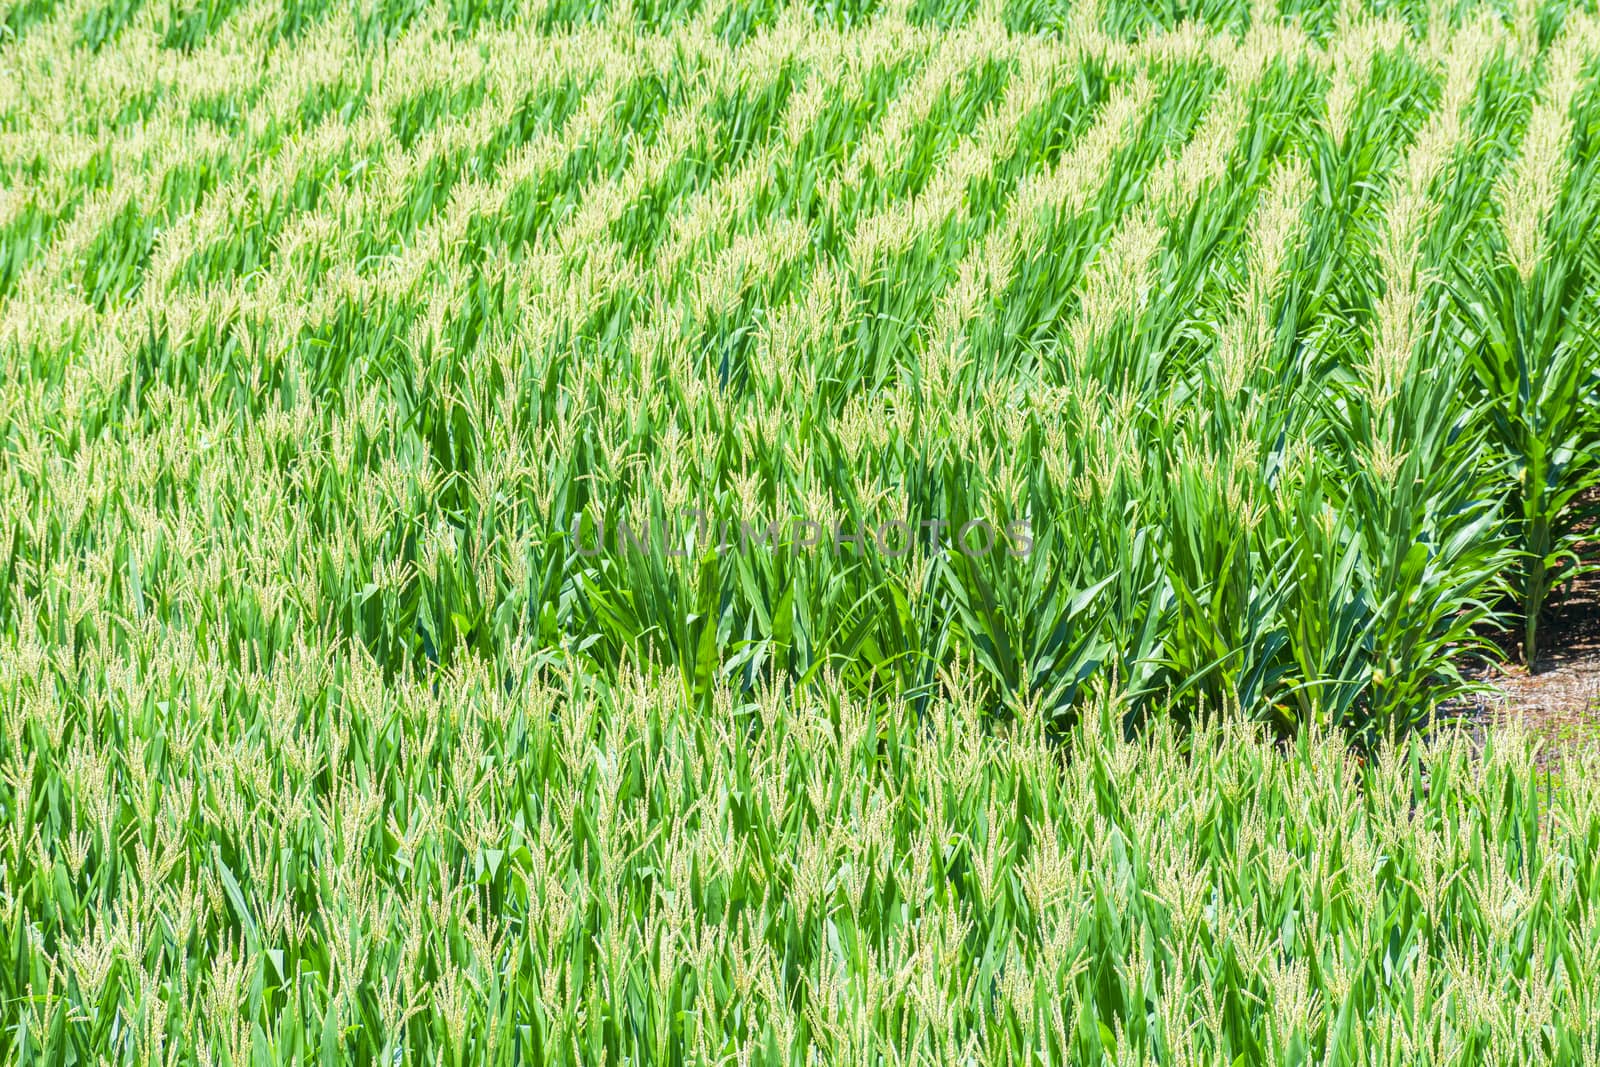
<point x="1559" y="698"/>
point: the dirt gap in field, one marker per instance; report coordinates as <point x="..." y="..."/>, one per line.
<point x="1560" y="696"/>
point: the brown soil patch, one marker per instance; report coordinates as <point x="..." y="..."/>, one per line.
<point x="1560" y="697"/>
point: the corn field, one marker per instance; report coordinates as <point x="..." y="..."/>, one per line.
<point x="347" y="346"/>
